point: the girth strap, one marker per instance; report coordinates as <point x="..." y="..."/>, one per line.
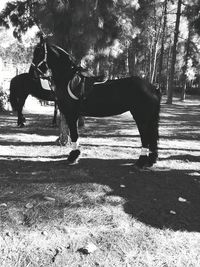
<point x="70" y="92"/>
<point x="76" y="87"/>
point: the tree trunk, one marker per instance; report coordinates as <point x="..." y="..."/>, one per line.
<point x="64" y="135"/>
<point x="183" y="92"/>
<point x="63" y="138"/>
<point x="154" y="62"/>
<point x="132" y="58"/>
<point x="174" y="52"/>
<point x="160" y="73"/>
<point x="157" y="30"/>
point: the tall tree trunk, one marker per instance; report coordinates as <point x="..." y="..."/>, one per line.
<point x="167" y="66"/>
<point x="183" y="91"/>
<point x="63" y="138"/>
<point x="155" y="45"/>
<point x="132" y="58"/>
<point x="160" y="68"/>
<point x="154" y="61"/>
<point x="174" y="53"/>
<point x="150" y="62"/>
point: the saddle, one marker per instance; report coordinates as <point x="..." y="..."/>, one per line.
<point x="80" y="86"/>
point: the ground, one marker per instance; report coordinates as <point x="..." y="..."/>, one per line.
<point x="100" y="212"/>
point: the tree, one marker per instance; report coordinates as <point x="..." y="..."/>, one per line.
<point x="120" y="37"/>
<point x="162" y="49"/>
<point x="174" y="53"/>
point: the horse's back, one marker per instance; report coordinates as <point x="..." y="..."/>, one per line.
<point x="118" y="96"/>
<point x="124" y="88"/>
<point x="20" y="82"/>
<point x="21" y="77"/>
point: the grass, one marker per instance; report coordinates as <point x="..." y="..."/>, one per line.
<point x="50" y="212"/>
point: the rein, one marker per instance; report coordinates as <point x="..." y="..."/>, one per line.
<point x="48" y="75"/>
<point x="42" y="61"/>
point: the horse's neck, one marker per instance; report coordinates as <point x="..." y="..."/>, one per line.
<point x="61" y="76"/>
<point x="62" y="72"/>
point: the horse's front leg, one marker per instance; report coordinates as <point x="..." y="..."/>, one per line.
<point x="74" y="154"/>
<point x="21" y="119"/>
<point x="54" y="121"/>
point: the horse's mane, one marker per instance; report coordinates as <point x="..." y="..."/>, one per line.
<point x="70" y="57"/>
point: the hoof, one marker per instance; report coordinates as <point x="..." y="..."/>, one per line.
<point x="73" y="163"/>
<point x="54" y="125"/>
<point x="153" y="157"/>
<point x="73" y="157"/>
<point x="21" y="125"/>
<point x="142" y="163"/>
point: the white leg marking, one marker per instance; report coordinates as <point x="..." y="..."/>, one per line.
<point x="144" y="151"/>
<point x="75" y="145"/>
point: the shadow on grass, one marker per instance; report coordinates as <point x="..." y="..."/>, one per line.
<point x="40" y="124"/>
<point x="167" y="199"/>
<point x="160" y="199"/>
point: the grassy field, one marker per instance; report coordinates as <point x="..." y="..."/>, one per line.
<point x="100" y="212"/>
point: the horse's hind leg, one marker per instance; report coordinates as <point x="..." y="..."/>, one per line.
<point x="54" y="121"/>
<point x="153" y="139"/>
<point x="74" y="154"/>
<point x="21" y="119"/>
<point x="147" y="120"/>
<point x="143" y="126"/>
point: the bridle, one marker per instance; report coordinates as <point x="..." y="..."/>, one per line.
<point x="43" y="61"/>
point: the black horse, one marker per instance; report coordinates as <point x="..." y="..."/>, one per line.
<point x="80" y="95"/>
<point x="26" y="84"/>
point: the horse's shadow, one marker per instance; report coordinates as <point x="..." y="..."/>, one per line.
<point x="162" y="199"/>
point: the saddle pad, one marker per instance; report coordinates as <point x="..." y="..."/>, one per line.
<point x="45" y="84"/>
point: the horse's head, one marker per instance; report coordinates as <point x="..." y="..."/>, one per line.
<point x="49" y="58"/>
<point x="40" y="55"/>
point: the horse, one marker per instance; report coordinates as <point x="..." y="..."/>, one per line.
<point x="78" y="94"/>
<point x="26" y="84"/>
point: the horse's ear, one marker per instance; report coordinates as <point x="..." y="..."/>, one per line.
<point x="41" y="39"/>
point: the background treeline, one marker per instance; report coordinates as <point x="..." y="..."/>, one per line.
<point x="154" y="39"/>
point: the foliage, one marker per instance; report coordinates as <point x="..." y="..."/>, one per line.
<point x="16" y="52"/>
<point x="3" y="99"/>
<point x="20" y="14"/>
<point x="121" y="37"/>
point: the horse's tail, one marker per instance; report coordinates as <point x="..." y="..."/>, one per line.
<point x="13" y="95"/>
